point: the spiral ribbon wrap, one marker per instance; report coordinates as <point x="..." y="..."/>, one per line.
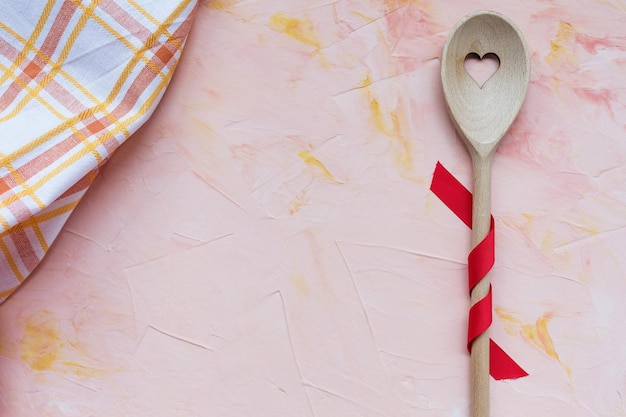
<point x="479" y="262"/>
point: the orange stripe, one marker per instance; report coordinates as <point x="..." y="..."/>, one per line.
<point x="49" y="156"/>
<point x="14" y="175"/>
<point x="42" y="217"/>
<point x="9" y="95"/>
<point x="24" y="249"/>
<point x="154" y="21"/>
<point x="19" y="209"/>
<point x="126" y="20"/>
<point x="55" y="33"/>
<point x="80" y="185"/>
<point x="11" y="261"/>
<point x="4" y="187"/>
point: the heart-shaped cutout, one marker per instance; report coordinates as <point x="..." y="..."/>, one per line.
<point x="481" y="69"/>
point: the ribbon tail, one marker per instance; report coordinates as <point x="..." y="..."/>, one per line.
<point x="501" y="365"/>
<point x="452" y="193"/>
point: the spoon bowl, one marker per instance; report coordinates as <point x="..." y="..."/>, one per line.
<point x="482" y="115"/>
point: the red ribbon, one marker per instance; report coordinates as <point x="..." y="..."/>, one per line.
<point x="480" y="260"/>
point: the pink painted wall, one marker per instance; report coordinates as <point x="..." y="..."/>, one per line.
<point x="267" y="245"/>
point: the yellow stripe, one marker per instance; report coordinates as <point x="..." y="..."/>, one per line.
<point x="6" y="293"/>
<point x="34" y="222"/>
<point x="20" y="180"/>
<point x="154" y="21"/>
<point x="9" y="257"/>
<point x="41" y="217"/>
<point x="121" y="38"/>
<point x="5" y="224"/>
<point x="40" y="238"/>
<point x="31" y="40"/>
<point x="16" y="175"/>
<point x="81" y="153"/>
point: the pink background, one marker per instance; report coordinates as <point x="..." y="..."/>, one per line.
<point x="267" y="244"/>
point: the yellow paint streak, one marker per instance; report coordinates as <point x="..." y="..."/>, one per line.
<point x="547" y="238"/>
<point x="547" y="241"/>
<point x="392" y="128"/>
<point x="367" y="80"/>
<point x="559" y="52"/>
<point x="301" y="286"/>
<point x="41" y="343"/>
<point x="362" y="16"/>
<point x="539" y="336"/>
<point x="297" y="203"/>
<point x="313" y="162"/>
<point x="376" y="116"/>
<point x="506" y="315"/>
<point x="525" y="225"/>
<point x="592" y="230"/>
<point x="512" y="325"/>
<point x="404" y="158"/>
<point x="83" y="371"/>
<point x="298" y="29"/>
<point x="42" y="348"/>
<point x="391" y="5"/>
<point x="536" y="333"/>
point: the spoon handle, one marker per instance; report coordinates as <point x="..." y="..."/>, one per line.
<point x="481" y="223"/>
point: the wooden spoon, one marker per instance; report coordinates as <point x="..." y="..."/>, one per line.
<point x="482" y="115"/>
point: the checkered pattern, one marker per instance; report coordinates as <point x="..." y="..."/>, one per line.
<point x="76" y="79"/>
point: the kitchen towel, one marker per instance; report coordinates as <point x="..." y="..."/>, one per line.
<point x="77" y="78"/>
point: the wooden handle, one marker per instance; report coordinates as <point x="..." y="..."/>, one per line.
<point x="481" y="222"/>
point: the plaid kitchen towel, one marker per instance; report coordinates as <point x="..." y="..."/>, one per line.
<point x="77" y="78"/>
